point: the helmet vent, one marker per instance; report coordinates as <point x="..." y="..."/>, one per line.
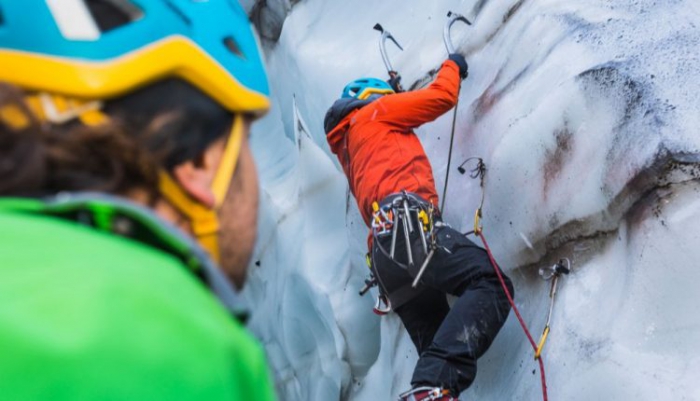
<point x="112" y="14"/>
<point x="233" y="47"/>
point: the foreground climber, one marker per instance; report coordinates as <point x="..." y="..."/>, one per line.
<point x="125" y="170"/>
<point x="370" y="129"/>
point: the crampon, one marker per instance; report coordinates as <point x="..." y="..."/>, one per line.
<point x="427" y="394"/>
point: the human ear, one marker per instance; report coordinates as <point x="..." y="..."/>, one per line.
<point x="196" y="176"/>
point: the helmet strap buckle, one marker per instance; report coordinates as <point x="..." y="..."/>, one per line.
<point x="60" y="110"/>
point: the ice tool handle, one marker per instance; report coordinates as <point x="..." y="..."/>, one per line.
<point x="393" y="74"/>
<point x="453" y="17"/>
<point x="553" y="273"/>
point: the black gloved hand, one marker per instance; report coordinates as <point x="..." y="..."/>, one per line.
<point x="395" y="82"/>
<point x="461" y="63"/>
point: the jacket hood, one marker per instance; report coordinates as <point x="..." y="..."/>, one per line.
<point x="340" y="109"/>
<point x="336" y="122"/>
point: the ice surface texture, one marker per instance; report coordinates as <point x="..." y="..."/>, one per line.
<point x="586" y="113"/>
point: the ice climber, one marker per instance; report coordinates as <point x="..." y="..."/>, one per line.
<point x="370" y="129"/>
<point x="125" y="171"/>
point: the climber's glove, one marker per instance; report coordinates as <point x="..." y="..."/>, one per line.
<point x="395" y="82"/>
<point x="461" y="63"/>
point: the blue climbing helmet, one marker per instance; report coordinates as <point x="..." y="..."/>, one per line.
<point x="60" y="47"/>
<point x="70" y="56"/>
<point x="364" y="87"/>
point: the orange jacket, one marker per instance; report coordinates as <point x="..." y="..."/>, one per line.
<point x="377" y="147"/>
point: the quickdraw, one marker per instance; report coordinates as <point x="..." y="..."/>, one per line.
<point x="477" y="172"/>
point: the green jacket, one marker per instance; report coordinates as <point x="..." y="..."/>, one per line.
<point x="101" y="301"/>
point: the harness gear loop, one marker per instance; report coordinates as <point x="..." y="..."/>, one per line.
<point x="554" y="273"/>
<point x="407" y="212"/>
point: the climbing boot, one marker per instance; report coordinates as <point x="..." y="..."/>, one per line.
<point x="427" y="394"/>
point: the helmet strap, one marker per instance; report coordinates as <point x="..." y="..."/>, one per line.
<point x="227" y="165"/>
<point x="204" y="221"/>
<point x="14" y="117"/>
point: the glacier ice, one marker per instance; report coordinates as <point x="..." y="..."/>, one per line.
<point x="586" y="114"/>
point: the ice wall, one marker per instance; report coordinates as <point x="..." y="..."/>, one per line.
<point x="586" y="114"/>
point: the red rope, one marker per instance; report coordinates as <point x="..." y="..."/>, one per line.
<point x="517" y="312"/>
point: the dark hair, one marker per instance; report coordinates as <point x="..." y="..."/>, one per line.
<point x="39" y="159"/>
<point x="159" y="126"/>
<point x="172" y="118"/>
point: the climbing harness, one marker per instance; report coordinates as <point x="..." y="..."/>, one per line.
<point x="480" y="172"/>
<point x="414" y="219"/>
<point x="552" y="273"/>
<point x="404" y="212"/>
<point x="394" y="76"/>
<point x="452" y="18"/>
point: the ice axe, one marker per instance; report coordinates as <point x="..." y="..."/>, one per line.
<point x="452" y="18"/>
<point x="553" y="273"/>
<point x="393" y="74"/>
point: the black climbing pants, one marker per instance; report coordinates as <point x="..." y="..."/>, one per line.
<point x="448" y="340"/>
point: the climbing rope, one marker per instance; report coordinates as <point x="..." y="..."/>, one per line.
<point x="449" y="156"/>
<point x="480" y="172"/>
<point x="480" y="234"/>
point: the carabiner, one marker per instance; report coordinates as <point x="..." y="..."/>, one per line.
<point x="382" y="306"/>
